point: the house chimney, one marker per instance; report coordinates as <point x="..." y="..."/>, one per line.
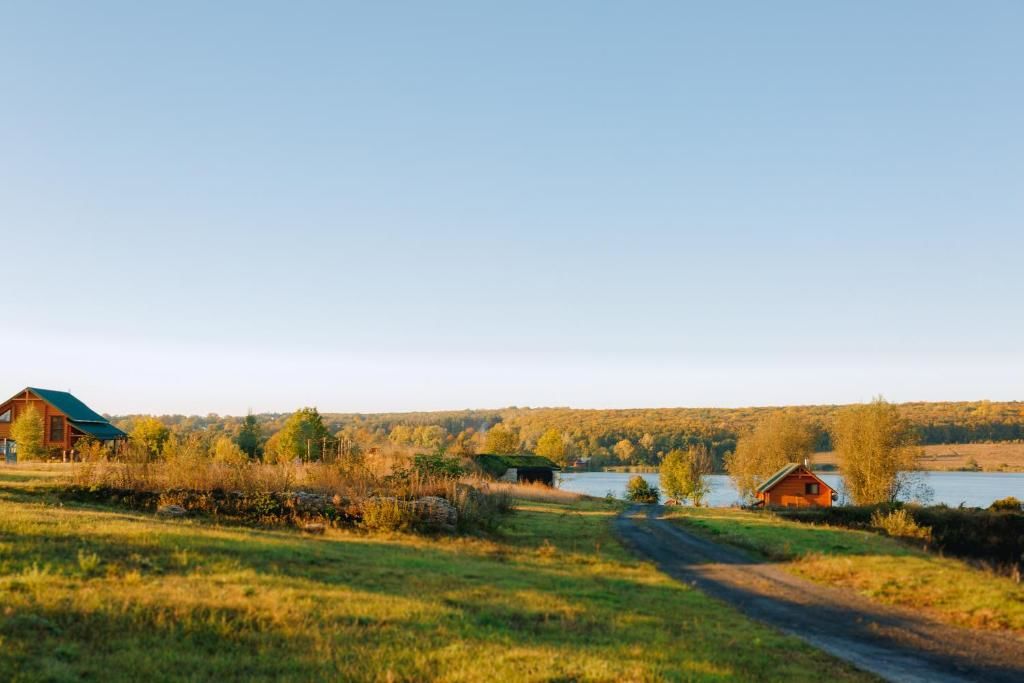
<point x="807" y="463"/>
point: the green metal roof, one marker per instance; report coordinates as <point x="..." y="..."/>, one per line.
<point x="68" y="404"/>
<point x="104" y="431"/>
<point x="82" y="417"/>
<point x="496" y="465"/>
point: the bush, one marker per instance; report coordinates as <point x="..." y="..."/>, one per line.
<point x="901" y="524"/>
<point x="386" y="514"/>
<point x="438" y="465"/>
<point x="1008" y="504"/>
<point x="639" y="491"/>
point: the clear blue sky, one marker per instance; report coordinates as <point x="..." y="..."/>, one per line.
<point x="372" y="206"/>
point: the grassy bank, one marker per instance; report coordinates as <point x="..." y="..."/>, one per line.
<point x="91" y="593"/>
<point x="872" y="564"/>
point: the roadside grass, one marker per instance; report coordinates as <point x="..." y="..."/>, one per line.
<point x="874" y="565"/>
<point x="88" y="593"/>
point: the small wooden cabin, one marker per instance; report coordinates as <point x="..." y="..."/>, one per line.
<point x="65" y="418"/>
<point x="525" y="468"/>
<point x="795" y="485"/>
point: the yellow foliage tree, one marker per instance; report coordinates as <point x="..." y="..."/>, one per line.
<point x="779" y="438"/>
<point x="27" y="432"/>
<point x="878" y="453"/>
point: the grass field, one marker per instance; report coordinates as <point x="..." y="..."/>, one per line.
<point x="990" y="457"/>
<point x="872" y="564"/>
<point x="88" y="593"/>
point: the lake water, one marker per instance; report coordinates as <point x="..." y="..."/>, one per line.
<point x="973" y="489"/>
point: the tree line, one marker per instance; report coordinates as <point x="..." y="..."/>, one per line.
<point x="601" y="437"/>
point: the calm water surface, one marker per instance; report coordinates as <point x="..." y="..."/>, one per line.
<point x="973" y="489"/>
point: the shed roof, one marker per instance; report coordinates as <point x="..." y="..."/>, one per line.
<point x="496" y="465"/>
<point x="786" y="470"/>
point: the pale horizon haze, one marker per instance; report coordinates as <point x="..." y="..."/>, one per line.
<point x="373" y="207"/>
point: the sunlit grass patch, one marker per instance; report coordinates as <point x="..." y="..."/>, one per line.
<point x="874" y="565"/>
<point x="93" y="593"/>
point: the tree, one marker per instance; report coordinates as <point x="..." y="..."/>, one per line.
<point x="684" y="475"/>
<point x="27" y="432"/>
<point x="502" y="440"/>
<point x="303" y="437"/>
<point x="249" y="436"/>
<point x="780" y="438"/>
<point x="551" y="446"/>
<point x="150" y="433"/>
<point x="700" y="464"/>
<point x="401" y="435"/>
<point x="227" y="452"/>
<point x="674" y="474"/>
<point x="639" y="491"/>
<point x="878" y="453"/>
<point x="625" y="450"/>
<point x="429" y="436"/>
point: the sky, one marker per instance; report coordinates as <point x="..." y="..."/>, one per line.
<point x="232" y="206"/>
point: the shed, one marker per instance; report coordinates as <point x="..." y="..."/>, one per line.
<point x="525" y="468"/>
<point x="795" y="485"/>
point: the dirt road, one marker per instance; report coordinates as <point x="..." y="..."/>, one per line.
<point x="895" y="644"/>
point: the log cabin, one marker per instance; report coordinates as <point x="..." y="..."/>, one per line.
<point x="795" y="485"/>
<point x="65" y="418"/>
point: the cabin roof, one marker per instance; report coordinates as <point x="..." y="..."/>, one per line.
<point x="81" y="416"/>
<point x="103" y="431"/>
<point x="786" y="470"/>
<point x="68" y="404"/>
<point x="496" y="465"/>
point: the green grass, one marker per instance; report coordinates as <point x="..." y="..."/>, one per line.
<point x="872" y="564"/>
<point x="88" y="593"/>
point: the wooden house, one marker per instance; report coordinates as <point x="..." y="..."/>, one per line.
<point x="795" y="485"/>
<point x="524" y="468"/>
<point x="65" y="418"/>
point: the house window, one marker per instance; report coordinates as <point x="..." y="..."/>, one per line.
<point x="812" y="489"/>
<point x="5" y="416"/>
<point x="56" y="428"/>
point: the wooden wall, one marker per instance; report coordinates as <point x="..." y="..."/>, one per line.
<point x="790" y="492"/>
<point x="20" y="403"/>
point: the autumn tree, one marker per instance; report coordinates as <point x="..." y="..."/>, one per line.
<point x="227" y="452"/>
<point x="674" y="474"/>
<point x="877" y="451"/>
<point x="303" y="437"/>
<point x="684" y="475"/>
<point x="502" y="440"/>
<point x="151" y="434"/>
<point x="552" y="446"/>
<point x="27" y="432"/>
<point x="779" y="438"/>
<point x="624" y="450"/>
<point x="700" y="465"/>
<point x="249" y="436"/>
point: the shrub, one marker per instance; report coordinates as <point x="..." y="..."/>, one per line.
<point x="385" y="514"/>
<point x="639" y="491"/>
<point x="901" y="524"/>
<point x="1008" y="504"/>
<point x="438" y="465"/>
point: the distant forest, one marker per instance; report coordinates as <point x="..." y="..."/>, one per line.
<point x="634" y="436"/>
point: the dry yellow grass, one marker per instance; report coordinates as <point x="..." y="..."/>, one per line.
<point x="991" y="457"/>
